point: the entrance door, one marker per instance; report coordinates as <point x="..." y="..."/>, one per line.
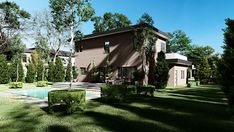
<point x="176" y="78"/>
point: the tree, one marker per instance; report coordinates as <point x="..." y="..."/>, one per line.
<point x="31" y="73"/>
<point x="35" y="56"/>
<point x="203" y="71"/>
<point x="71" y="14"/>
<point x="179" y="42"/>
<point x="226" y="63"/>
<point x="110" y="21"/>
<point x="75" y="74"/>
<point x="51" y="72"/>
<point x="12" y="20"/>
<point x="40" y="70"/>
<point x="144" y="41"/>
<point x="146" y="18"/>
<point x="17" y="48"/>
<point x="59" y="72"/>
<point x="16" y="67"/>
<point x="68" y="77"/>
<point x="43" y="48"/>
<point x="4" y="76"/>
<point x="161" y="71"/>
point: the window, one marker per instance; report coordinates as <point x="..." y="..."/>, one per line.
<point x="163" y="46"/>
<point x="107" y="47"/>
<point x="83" y="71"/>
<point x="25" y="58"/>
<point x="182" y="74"/>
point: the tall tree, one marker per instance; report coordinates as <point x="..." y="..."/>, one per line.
<point x="17" y="48"/>
<point x="203" y="71"/>
<point x="16" y="71"/>
<point x="71" y="14"/>
<point x="146" y="18"/>
<point x="59" y="73"/>
<point x="68" y="70"/>
<point x="51" y="72"/>
<point x="226" y="64"/>
<point x="31" y="73"/>
<point x="12" y="20"/>
<point x="4" y="76"/>
<point x="145" y="40"/>
<point x="179" y="42"/>
<point x="40" y="70"/>
<point x="161" y="71"/>
<point x="110" y="21"/>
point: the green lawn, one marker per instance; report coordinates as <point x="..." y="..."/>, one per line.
<point x="182" y="109"/>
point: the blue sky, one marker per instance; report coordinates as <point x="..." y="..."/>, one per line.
<point x="202" y="20"/>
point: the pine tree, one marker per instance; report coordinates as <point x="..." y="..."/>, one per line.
<point x="161" y="71"/>
<point x="74" y="72"/>
<point x="31" y="73"/>
<point x="68" y="76"/>
<point x="50" y="77"/>
<point x="4" y="74"/>
<point x="13" y="71"/>
<point x="40" y="70"/>
<point x="59" y="71"/>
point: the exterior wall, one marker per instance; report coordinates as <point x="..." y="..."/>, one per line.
<point x="122" y="54"/>
<point x="172" y="78"/>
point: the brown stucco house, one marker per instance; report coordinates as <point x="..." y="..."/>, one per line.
<point x="112" y="54"/>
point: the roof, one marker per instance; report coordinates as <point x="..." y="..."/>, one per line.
<point x="61" y="52"/>
<point x="179" y="62"/>
<point x="160" y="34"/>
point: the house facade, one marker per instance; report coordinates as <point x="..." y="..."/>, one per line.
<point x="111" y="55"/>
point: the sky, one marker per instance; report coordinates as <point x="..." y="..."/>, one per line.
<point x="201" y="20"/>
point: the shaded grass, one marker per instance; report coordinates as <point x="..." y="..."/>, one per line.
<point x="183" y="109"/>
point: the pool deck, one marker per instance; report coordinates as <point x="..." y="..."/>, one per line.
<point x="93" y="90"/>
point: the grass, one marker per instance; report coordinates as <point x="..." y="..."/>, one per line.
<point x="184" y="109"/>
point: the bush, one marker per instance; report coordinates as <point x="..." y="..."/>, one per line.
<point x="31" y="73"/>
<point x="197" y="83"/>
<point x="74" y="99"/>
<point x="59" y="71"/>
<point x="42" y="83"/>
<point x="16" y="84"/>
<point x="189" y="85"/>
<point x="146" y="90"/>
<point x="4" y="73"/>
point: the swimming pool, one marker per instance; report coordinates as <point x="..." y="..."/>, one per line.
<point x="42" y="93"/>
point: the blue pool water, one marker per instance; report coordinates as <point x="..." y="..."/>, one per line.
<point x="41" y="93"/>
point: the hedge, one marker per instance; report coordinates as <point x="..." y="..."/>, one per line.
<point x="73" y="99"/>
<point x="146" y="90"/>
<point x="42" y="83"/>
<point x="118" y="93"/>
<point x="16" y="84"/>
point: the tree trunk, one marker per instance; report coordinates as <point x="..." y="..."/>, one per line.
<point x="71" y="46"/>
<point x="17" y="72"/>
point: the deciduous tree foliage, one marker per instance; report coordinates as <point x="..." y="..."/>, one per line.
<point x="110" y="21"/>
<point x="12" y="20"/>
<point x="4" y="72"/>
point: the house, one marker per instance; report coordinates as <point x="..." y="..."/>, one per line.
<point x="111" y="55"/>
<point x="64" y="55"/>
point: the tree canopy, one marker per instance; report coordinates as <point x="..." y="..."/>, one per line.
<point x="110" y="21"/>
<point x="146" y="18"/>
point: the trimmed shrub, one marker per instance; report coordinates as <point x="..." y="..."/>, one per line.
<point x="31" y="73"/>
<point x="146" y="90"/>
<point x="68" y="71"/>
<point x="59" y="71"/>
<point x="13" y="71"/>
<point x="73" y="99"/>
<point x="16" y="84"/>
<point x="42" y="83"/>
<point x="50" y="77"/>
<point x="4" y="72"/>
<point x="40" y="70"/>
